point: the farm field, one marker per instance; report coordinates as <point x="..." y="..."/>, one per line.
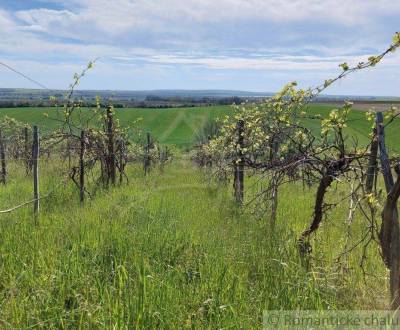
<point x="168" y="126"/>
<point x="179" y="126"/>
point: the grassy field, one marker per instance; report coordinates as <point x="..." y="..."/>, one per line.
<point x="169" y="126"/>
<point x="171" y="250"/>
<point x="179" y="126"/>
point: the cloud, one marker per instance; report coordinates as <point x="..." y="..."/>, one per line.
<point x="273" y="62"/>
<point x="47" y="20"/>
<point x="205" y="43"/>
<point x="346" y="11"/>
<point x="207" y="20"/>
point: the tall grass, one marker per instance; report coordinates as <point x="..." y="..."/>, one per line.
<point x="168" y="251"/>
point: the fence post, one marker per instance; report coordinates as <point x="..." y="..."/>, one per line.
<point x="163" y="158"/>
<point x="35" y="161"/>
<point x="82" y="169"/>
<point x="147" y="155"/>
<point x="238" y="182"/>
<point x="372" y="161"/>
<point x="27" y="156"/>
<point x="3" y="159"/>
<point x="111" y="151"/>
<point x="121" y="160"/>
<point x="385" y="163"/>
<point x="386" y="229"/>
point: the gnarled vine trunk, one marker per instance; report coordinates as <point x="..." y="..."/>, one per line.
<point x="323" y="186"/>
<point x="390" y="217"/>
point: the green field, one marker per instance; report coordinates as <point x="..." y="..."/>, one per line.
<point x="168" y="126"/>
<point x="171" y="250"/>
<point x="179" y="126"/>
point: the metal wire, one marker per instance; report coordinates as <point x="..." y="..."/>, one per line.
<point x="24" y="76"/>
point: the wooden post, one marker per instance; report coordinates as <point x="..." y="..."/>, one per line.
<point x="121" y="160"/>
<point x="163" y="158"/>
<point x="82" y="169"/>
<point x="147" y="155"/>
<point x="111" y="151"/>
<point x="385" y="163"/>
<point x="386" y="229"/>
<point x="35" y="162"/>
<point x="238" y="182"/>
<point x="372" y="162"/>
<point x="27" y="155"/>
<point x="3" y="159"/>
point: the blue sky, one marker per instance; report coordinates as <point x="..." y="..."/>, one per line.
<point x="255" y="45"/>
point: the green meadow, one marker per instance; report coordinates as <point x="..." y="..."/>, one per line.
<point x="178" y="126"/>
<point x="168" y="126"/>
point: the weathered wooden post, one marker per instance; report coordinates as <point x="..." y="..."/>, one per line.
<point x="3" y="177"/>
<point x="238" y="181"/>
<point x="27" y="155"/>
<point x="163" y="158"/>
<point x="147" y="162"/>
<point x="82" y="169"/>
<point x="372" y="162"/>
<point x="386" y="229"/>
<point x="385" y="163"/>
<point x="111" y="151"/>
<point x="121" y="160"/>
<point x="35" y="162"/>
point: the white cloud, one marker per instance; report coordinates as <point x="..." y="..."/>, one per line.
<point x="47" y="20"/>
<point x="276" y="62"/>
<point x="300" y="38"/>
<point x="193" y="25"/>
<point x="122" y="15"/>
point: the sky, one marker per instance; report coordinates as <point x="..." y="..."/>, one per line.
<point x="252" y="45"/>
